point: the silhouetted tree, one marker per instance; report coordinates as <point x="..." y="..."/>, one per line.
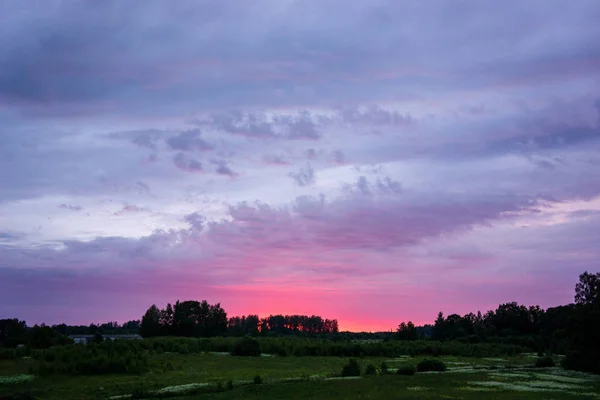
<point x="150" y="325"/>
<point x="439" y="327"/>
<point x="584" y="326"/>
<point x="587" y="290"/>
<point x="12" y="332"/>
<point x="407" y="331"/>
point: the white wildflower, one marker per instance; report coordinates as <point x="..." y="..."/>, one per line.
<point x="14" y="379"/>
<point x="182" y="388"/>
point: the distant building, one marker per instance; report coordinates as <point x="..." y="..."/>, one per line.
<point x="88" y="338"/>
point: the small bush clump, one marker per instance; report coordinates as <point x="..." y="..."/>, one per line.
<point x="92" y="359"/>
<point x="246" y="347"/>
<point x="351" y="369"/>
<point x="544" y="362"/>
<point x="384" y="368"/>
<point x="431" y="365"/>
<point x="408" y="369"/>
<point x="229" y="385"/>
<point x="140" y="391"/>
<point x="370" y="370"/>
<point x="257" y="380"/>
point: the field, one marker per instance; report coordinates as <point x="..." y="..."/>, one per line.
<point x="217" y="375"/>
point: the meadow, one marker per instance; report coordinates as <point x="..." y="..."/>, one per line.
<point x="185" y="368"/>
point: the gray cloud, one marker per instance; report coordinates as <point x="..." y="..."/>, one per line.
<point x="189" y="141"/>
<point x="300" y="126"/>
<point x="196" y="221"/>
<point x="375" y="116"/>
<point x="72" y="207"/>
<point x="105" y="62"/>
<point x="310" y="153"/>
<point x="452" y="121"/>
<point x="275" y="160"/>
<point x="304" y="177"/>
<point x="7" y="237"/>
<point x="223" y="169"/>
<point x="338" y="157"/>
<point x="130" y="209"/>
<point x="187" y="163"/>
<point x="146" y="139"/>
<point x="389" y="186"/>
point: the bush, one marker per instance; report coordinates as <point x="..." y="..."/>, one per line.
<point x="140" y="392"/>
<point x="431" y="365"/>
<point x="370" y="370"/>
<point x="230" y="385"/>
<point x="408" y="369"/>
<point x="247" y="346"/>
<point x="257" y="380"/>
<point x="92" y="359"/>
<point x="351" y="369"/>
<point x="384" y="367"/>
<point x="544" y="362"/>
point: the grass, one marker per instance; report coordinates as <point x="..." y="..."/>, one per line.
<point x="425" y="386"/>
<point x="175" y="376"/>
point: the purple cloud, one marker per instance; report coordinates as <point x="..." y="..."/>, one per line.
<point x="304" y="177"/>
<point x="130" y="209"/>
<point x="189" y="141"/>
<point x="187" y="163"/>
<point x="455" y="152"/>
<point x="72" y="207"/>
<point x="274" y="160"/>
<point x="223" y="169"/>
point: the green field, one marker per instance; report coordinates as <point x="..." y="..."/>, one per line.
<point x="206" y="376"/>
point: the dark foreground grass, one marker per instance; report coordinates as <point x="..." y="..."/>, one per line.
<point x="465" y="379"/>
<point x="388" y="387"/>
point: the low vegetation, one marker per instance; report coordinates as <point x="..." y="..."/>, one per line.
<point x="501" y="352"/>
<point x="544" y="362"/>
<point x="370" y="370"/>
<point x="246" y="347"/>
<point x="352" y="368"/>
<point x="408" y="369"/>
<point x="431" y="366"/>
<point x="218" y="375"/>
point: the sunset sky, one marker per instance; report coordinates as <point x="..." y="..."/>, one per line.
<point x="371" y="161"/>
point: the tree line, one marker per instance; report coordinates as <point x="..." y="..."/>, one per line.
<point x="200" y="319"/>
<point x="572" y="329"/>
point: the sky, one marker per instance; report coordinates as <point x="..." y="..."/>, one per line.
<point x="371" y="161"/>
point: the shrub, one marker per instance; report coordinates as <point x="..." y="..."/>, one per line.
<point x="246" y="347"/>
<point x="581" y="361"/>
<point x="407" y="369"/>
<point x="544" y="362"/>
<point x="92" y="359"/>
<point x="351" y="369"/>
<point x="140" y="391"/>
<point x="431" y="365"/>
<point x="370" y="370"/>
<point x="229" y="385"/>
<point x="257" y="380"/>
<point x="384" y="367"/>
